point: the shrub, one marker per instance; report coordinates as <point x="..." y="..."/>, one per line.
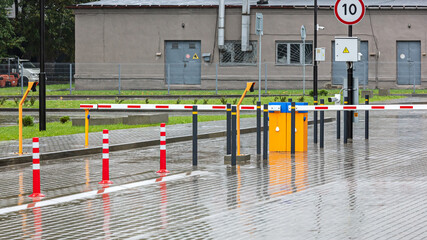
<point x="32" y="100"/>
<point x="178" y="101"/>
<point x="223" y="100"/>
<point x="254" y="101"/>
<point x="301" y="99"/>
<point x="16" y="100"/>
<point x="235" y="101"/>
<point x="323" y="92"/>
<point x="146" y="101"/>
<point x="28" y="121"/>
<point x="282" y="99"/>
<point x="195" y="101"/>
<point x="3" y="100"/>
<point x="64" y="119"/>
<point x="205" y="101"/>
<point x="118" y="100"/>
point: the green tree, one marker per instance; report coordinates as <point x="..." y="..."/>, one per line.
<point x="9" y="41"/>
<point x="59" y="29"/>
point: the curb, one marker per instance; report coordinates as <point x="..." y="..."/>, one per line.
<point x="120" y="147"/>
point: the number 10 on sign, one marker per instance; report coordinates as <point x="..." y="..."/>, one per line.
<point x="349" y="11"/>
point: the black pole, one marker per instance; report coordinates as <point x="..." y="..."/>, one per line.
<point x="314" y="49"/>
<point x="42" y="77"/>
<point x="315" y="71"/>
<point x="345" y="121"/>
<point x="350" y="90"/>
<point x="258" y="128"/>
<point x="290" y="100"/>
<point x="322" y="125"/>
<point x="315" y="121"/>
<point x="228" y="128"/>
<point x="293" y="128"/>
<point x="338" y="124"/>
<point x="194" y="135"/>
<point x="367" y="118"/>
<point x="233" y="136"/>
<point x="265" y="147"/>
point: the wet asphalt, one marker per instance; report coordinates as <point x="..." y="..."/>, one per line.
<point x="366" y="189"/>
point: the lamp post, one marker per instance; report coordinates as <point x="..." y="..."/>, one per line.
<point x="42" y="76"/>
<point x="315" y="70"/>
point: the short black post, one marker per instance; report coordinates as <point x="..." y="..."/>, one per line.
<point x="367" y="118"/>
<point x="228" y="128"/>
<point x="233" y="135"/>
<point x="265" y="147"/>
<point x="290" y="100"/>
<point x="322" y="125"/>
<point x="338" y="124"/>
<point x="195" y="135"/>
<point x="315" y="121"/>
<point x="293" y="128"/>
<point x="258" y="128"/>
<point x="345" y="121"/>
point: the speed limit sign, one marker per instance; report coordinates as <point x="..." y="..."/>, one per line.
<point x="349" y="11"/>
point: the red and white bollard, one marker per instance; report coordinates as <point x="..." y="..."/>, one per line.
<point x="105" y="158"/>
<point x="162" y="149"/>
<point x="36" y="169"/>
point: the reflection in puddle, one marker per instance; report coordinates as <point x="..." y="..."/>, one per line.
<point x="288" y="174"/>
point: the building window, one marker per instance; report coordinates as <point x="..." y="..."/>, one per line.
<point x="292" y="53"/>
<point x="232" y="54"/>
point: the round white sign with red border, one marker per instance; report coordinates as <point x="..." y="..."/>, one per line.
<point x="349" y="11"/>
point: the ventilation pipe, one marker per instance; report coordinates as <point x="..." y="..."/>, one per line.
<point x="221" y="17"/>
<point x="246" y="23"/>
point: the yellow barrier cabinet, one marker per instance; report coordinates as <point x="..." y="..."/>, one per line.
<point x="280" y="129"/>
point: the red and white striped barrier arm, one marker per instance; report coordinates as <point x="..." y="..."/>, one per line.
<point x="358" y="107"/>
<point x="165" y="107"/>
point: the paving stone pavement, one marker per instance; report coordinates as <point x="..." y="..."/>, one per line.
<point x="367" y="189"/>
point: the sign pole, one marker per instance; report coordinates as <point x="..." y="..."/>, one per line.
<point x="350" y="90"/>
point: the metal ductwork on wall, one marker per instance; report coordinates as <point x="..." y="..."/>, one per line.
<point x="246" y="23"/>
<point x="221" y="24"/>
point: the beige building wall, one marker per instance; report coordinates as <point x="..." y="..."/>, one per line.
<point x="135" y="39"/>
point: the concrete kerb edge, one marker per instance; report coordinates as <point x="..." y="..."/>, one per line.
<point x="118" y="147"/>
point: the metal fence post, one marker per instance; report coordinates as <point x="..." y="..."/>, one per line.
<point x="195" y="135"/>
<point x="169" y="78"/>
<point x="292" y="127"/>
<point x="228" y="128"/>
<point x="216" y="78"/>
<point x="233" y="136"/>
<point x="265" y="76"/>
<point x="265" y="147"/>
<point x="22" y="79"/>
<point x="367" y="118"/>
<point x="71" y="77"/>
<point x="258" y="128"/>
<point x="120" y="78"/>
<point x="322" y="125"/>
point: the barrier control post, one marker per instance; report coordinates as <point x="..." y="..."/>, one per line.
<point x="233" y="136"/>
<point x="366" y="118"/>
<point x="322" y="125"/>
<point x="228" y="128"/>
<point x="293" y="128"/>
<point x="258" y="127"/>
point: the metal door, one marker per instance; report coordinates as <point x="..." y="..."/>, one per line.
<point x="408" y="63"/>
<point x="183" y="63"/>
<point x="360" y="69"/>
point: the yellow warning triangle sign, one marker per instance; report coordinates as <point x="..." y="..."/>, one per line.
<point x="195" y="56"/>
<point x="345" y="50"/>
